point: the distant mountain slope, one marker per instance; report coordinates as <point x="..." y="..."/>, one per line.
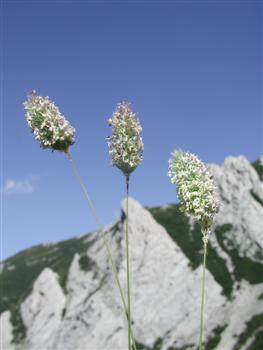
<point x="63" y="296"/>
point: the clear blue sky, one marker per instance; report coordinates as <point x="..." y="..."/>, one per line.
<point x="191" y="69"/>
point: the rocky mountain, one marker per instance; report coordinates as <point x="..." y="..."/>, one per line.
<point x="63" y="296"/>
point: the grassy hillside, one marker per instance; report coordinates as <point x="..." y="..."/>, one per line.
<point x="20" y="271"/>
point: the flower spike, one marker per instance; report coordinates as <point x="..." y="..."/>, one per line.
<point x="125" y="143"/>
<point x="195" y="187"/>
<point x="49" y="126"/>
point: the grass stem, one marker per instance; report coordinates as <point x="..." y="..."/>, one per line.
<point x="102" y="236"/>
<point x="127" y="261"/>
<point x="202" y="300"/>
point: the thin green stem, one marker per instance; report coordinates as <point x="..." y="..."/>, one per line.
<point x="203" y="298"/>
<point x="127" y="261"/>
<point x="102" y="236"/>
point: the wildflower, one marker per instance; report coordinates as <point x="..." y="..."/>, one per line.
<point x="198" y="196"/>
<point x="195" y="187"/>
<point x="53" y="131"/>
<point x="125" y="143"/>
<point x="126" y="149"/>
<point x="49" y="126"/>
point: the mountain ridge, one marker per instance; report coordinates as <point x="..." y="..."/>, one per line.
<point x="172" y="253"/>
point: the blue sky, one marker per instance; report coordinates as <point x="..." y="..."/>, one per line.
<point x="191" y="69"/>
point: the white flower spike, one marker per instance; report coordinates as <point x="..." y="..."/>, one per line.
<point x="199" y="199"/>
<point x="125" y="143"/>
<point x="195" y="187"/>
<point x="49" y="126"/>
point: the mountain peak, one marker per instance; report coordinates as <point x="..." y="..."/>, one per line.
<point x="134" y="206"/>
<point x="70" y="298"/>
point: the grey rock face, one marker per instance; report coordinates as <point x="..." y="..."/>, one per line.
<point x="87" y="313"/>
<point x="241" y="195"/>
<point x="42" y="311"/>
<point x="6" y="331"/>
